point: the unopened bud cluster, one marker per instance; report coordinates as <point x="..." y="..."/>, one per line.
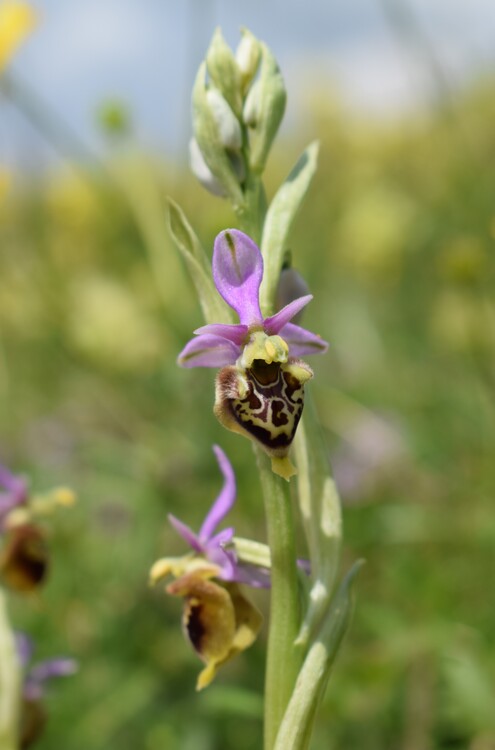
<point x="238" y="104"/>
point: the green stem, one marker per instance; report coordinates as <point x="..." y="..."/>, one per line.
<point x="283" y="657"/>
<point x="251" y="214"/>
<point x="10" y="681"/>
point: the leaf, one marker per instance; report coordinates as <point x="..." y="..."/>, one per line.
<point x="321" y="513"/>
<point x="296" y="727"/>
<point x="198" y="266"/>
<point x="279" y="219"/>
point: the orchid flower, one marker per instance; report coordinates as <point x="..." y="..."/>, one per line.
<point x="14" y="494"/>
<point x="237" y="272"/>
<point x="36" y="677"/>
<point x="218" y="619"/>
<point x="210" y="545"/>
<point x="23" y="550"/>
<point x="33" y="713"/>
<point x="259" y="391"/>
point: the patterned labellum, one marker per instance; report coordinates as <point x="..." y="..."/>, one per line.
<point x="263" y="402"/>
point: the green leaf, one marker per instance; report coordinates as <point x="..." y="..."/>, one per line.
<point x="321" y="514"/>
<point x="279" y="219"/>
<point x="198" y="266"/>
<point x="296" y="727"/>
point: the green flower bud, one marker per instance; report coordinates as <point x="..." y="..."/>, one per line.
<point x="247" y="57"/>
<point x="265" y="106"/>
<point x="252" y="105"/>
<point x="229" y="129"/>
<point x="224" y="71"/>
<point x="202" y="172"/>
<point x="215" y="133"/>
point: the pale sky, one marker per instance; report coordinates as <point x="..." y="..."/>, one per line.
<point x="145" y="53"/>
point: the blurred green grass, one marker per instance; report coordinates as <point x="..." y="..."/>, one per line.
<point x="396" y="241"/>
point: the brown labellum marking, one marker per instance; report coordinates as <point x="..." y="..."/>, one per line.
<point x="263" y="402"/>
<point x="24" y="559"/>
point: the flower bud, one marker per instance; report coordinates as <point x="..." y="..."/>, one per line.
<point x="265" y="109"/>
<point x="247" y="57"/>
<point x="224" y="71"/>
<point x="215" y="133"/>
<point x="229" y="129"/>
<point x="252" y="106"/>
<point x="291" y="285"/>
<point x="202" y="172"/>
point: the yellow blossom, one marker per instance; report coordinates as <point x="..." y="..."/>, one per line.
<point x="17" y="20"/>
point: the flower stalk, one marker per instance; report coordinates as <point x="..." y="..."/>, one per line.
<point x="238" y="104"/>
<point x="283" y="657"/>
<point x="10" y="682"/>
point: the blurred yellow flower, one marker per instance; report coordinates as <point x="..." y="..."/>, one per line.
<point x="17" y="20"/>
<point x="5" y="179"/>
<point x="463" y="260"/>
<point x="373" y="231"/>
<point x="462" y="322"/>
<point x="111" y="327"/>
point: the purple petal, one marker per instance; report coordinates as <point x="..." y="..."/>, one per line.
<point x="47" y="670"/>
<point x="24" y="646"/>
<point x="7" y="503"/>
<point x="186" y="533"/>
<point x="234" y="333"/>
<point x="252" y="575"/>
<point x="304" y="565"/>
<point x="279" y="320"/>
<point x="218" y="540"/>
<point x="224" y="501"/>
<point x="208" y="351"/>
<point x="226" y="560"/>
<point x="301" y="341"/>
<point x="237" y="273"/>
<point x="13" y="484"/>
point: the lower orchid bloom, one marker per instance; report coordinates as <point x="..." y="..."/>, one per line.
<point x="260" y="388"/>
<point x="23" y="553"/>
<point x="23" y="549"/>
<point x="218" y="619"/>
<point x="33" y="715"/>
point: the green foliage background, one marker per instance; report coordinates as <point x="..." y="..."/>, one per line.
<point x="396" y="241"/>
